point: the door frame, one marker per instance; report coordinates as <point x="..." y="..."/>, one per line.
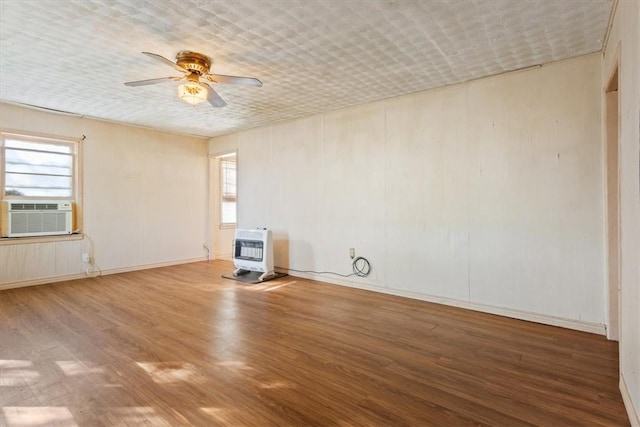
<point x="612" y="197"/>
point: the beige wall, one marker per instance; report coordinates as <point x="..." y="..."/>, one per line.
<point x="145" y="199"/>
<point x="625" y="34"/>
<point x="486" y="194"/>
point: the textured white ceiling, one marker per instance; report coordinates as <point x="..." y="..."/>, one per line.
<point x="312" y="55"/>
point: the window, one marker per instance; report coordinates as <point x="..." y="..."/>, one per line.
<point x="37" y="168"/>
<point x="39" y="181"/>
<point x="228" y="190"/>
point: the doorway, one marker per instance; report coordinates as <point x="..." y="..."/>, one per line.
<point x="612" y="126"/>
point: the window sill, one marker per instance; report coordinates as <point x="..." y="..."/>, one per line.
<point x="40" y="239"/>
<point x="227" y="226"/>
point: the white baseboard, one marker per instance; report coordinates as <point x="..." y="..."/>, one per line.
<point x="594" y="328"/>
<point x="632" y="411"/>
<point x="149" y="266"/>
<point x="224" y="257"/>
<point x="41" y="281"/>
<point x="47" y="280"/>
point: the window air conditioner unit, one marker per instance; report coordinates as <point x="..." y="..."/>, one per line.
<point x="253" y="251"/>
<point x="38" y="218"/>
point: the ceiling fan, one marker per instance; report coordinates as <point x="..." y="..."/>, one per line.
<point x="195" y="66"/>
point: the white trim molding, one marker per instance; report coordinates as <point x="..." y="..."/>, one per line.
<point x="578" y="325"/>
<point x="632" y="411"/>
<point x="149" y="266"/>
<point x="48" y="280"/>
<point x="42" y="281"/>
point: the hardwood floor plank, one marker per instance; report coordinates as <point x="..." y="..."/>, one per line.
<point x="180" y="345"/>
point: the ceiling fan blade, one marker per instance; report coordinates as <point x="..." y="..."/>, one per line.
<point x="152" y="81"/>
<point x="165" y="60"/>
<point x="234" y="80"/>
<point x="213" y="97"/>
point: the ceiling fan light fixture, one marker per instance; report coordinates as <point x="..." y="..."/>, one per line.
<point x="193" y="67"/>
<point x="192" y="92"/>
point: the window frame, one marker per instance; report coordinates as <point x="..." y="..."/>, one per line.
<point x="76" y="180"/>
<point x="223" y="160"/>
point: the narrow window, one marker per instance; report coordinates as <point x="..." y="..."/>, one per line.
<point x="228" y="190"/>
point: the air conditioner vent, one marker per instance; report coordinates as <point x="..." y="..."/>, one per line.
<point x="46" y="206"/>
<point x="38" y="218"/>
<point x="34" y="206"/>
<point x="37" y="223"/>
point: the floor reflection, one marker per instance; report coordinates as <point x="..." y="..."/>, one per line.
<point x="15" y="373"/>
<point x="172" y="372"/>
<point x="38" y="416"/>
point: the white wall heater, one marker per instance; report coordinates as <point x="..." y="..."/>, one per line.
<point x="253" y="251"/>
<point x="37" y="218"/>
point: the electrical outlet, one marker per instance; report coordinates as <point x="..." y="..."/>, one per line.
<point x="352" y="253"/>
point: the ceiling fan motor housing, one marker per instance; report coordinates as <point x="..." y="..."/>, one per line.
<point x="193" y="61"/>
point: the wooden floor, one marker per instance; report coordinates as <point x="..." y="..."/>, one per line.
<point x="182" y="346"/>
